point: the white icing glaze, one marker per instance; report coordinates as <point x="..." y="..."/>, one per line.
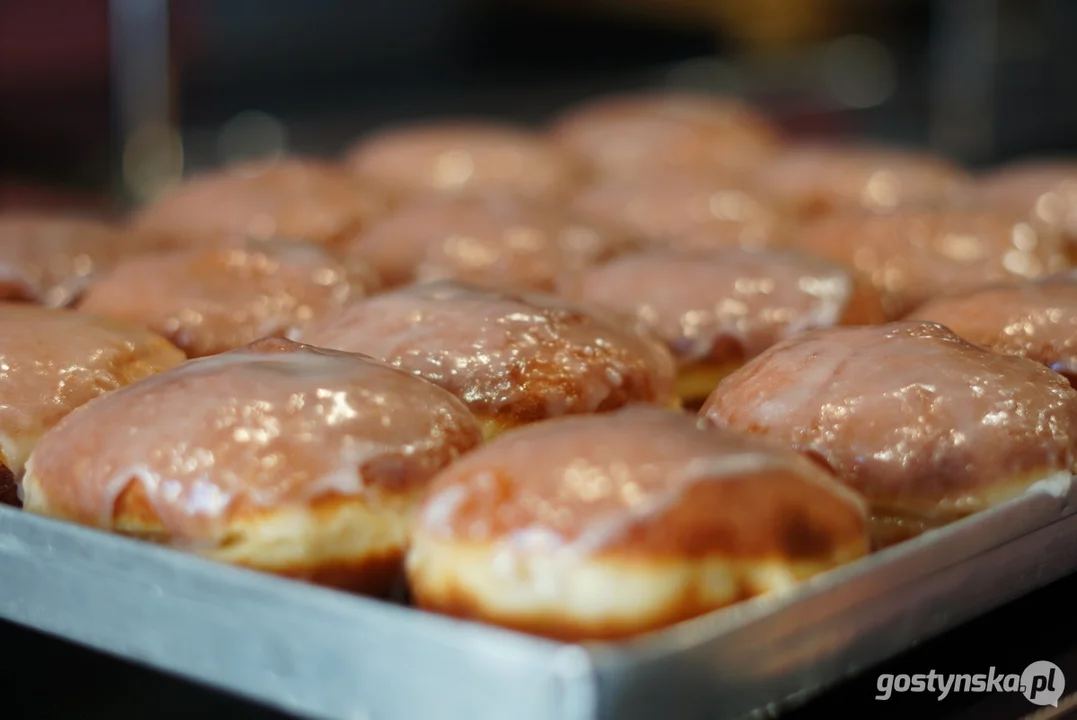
<point x="908" y="413"/>
<point x="502" y="352"/>
<point x="278" y="425"/>
<point x="491" y="238"/>
<point x="644" y="132"/>
<point x="287" y="197"/>
<point x="878" y="179"/>
<point x="694" y="303"/>
<point x="456" y="155"/>
<point x="579" y="486"/>
<point x="53" y="361"/>
<point x="1037" y="320"/>
<point x="51" y="260"/>
<point x="210" y="301"/>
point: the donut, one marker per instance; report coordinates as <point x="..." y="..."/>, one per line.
<point x="599" y="528"/>
<point x="514" y="358"/>
<point x="288" y="198"/>
<point x="49" y="260"/>
<point x="686" y="210"/>
<point x="487" y="238"/>
<point x="53" y="361"/>
<point x="459" y="155"/>
<point x="1044" y="189"/>
<point x="913" y="255"/>
<point x="926" y="425"/>
<point x="716" y="311"/>
<point x="1036" y="320"/>
<point x="818" y="179"/>
<point x="637" y="133"/>
<point x="208" y="301"/>
<point x="276" y="457"/>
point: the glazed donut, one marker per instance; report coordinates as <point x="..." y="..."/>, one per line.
<point x="513" y="358"/>
<point x="488" y="239"/>
<point x="456" y="155"/>
<point x="53" y="361"/>
<point x="927" y="426"/>
<point x="1045" y="189"/>
<point x="598" y="528"/>
<point x="1036" y="320"/>
<point x="213" y="300"/>
<point x="686" y="210"/>
<point x="815" y="180"/>
<point x="288" y="198"/>
<point x="277" y="457"/>
<point x="632" y="134"/>
<point x="49" y="260"/>
<point x="912" y="255"/>
<point x="716" y="311"/>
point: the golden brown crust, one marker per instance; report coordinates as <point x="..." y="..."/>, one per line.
<point x="865" y="306"/>
<point x="555" y="625"/>
<point x="605" y="527"/>
<point x="375" y="572"/>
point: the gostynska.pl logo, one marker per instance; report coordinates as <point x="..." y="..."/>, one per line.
<point x="1042" y="683"/>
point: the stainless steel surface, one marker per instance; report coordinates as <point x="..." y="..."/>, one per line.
<point x="324" y="654"/>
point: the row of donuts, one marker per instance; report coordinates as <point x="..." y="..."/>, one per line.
<point x="668" y="170"/>
<point x="261" y="457"/>
<point x="343" y="470"/>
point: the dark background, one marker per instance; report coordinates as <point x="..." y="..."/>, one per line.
<point x="983" y="80"/>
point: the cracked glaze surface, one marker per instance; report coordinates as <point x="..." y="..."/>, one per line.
<point x="525" y="356"/>
<point x="729" y="304"/>
<point x="53" y="361"/>
<point x="210" y="301"/>
<point x="910" y="414"/>
<point x="1037" y="320"/>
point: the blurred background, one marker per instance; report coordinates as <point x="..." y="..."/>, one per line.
<point x="103" y="102"/>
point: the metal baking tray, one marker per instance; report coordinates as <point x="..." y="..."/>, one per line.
<point x="324" y="654"/>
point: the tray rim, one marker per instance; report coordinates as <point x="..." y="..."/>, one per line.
<point x="574" y="669"/>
